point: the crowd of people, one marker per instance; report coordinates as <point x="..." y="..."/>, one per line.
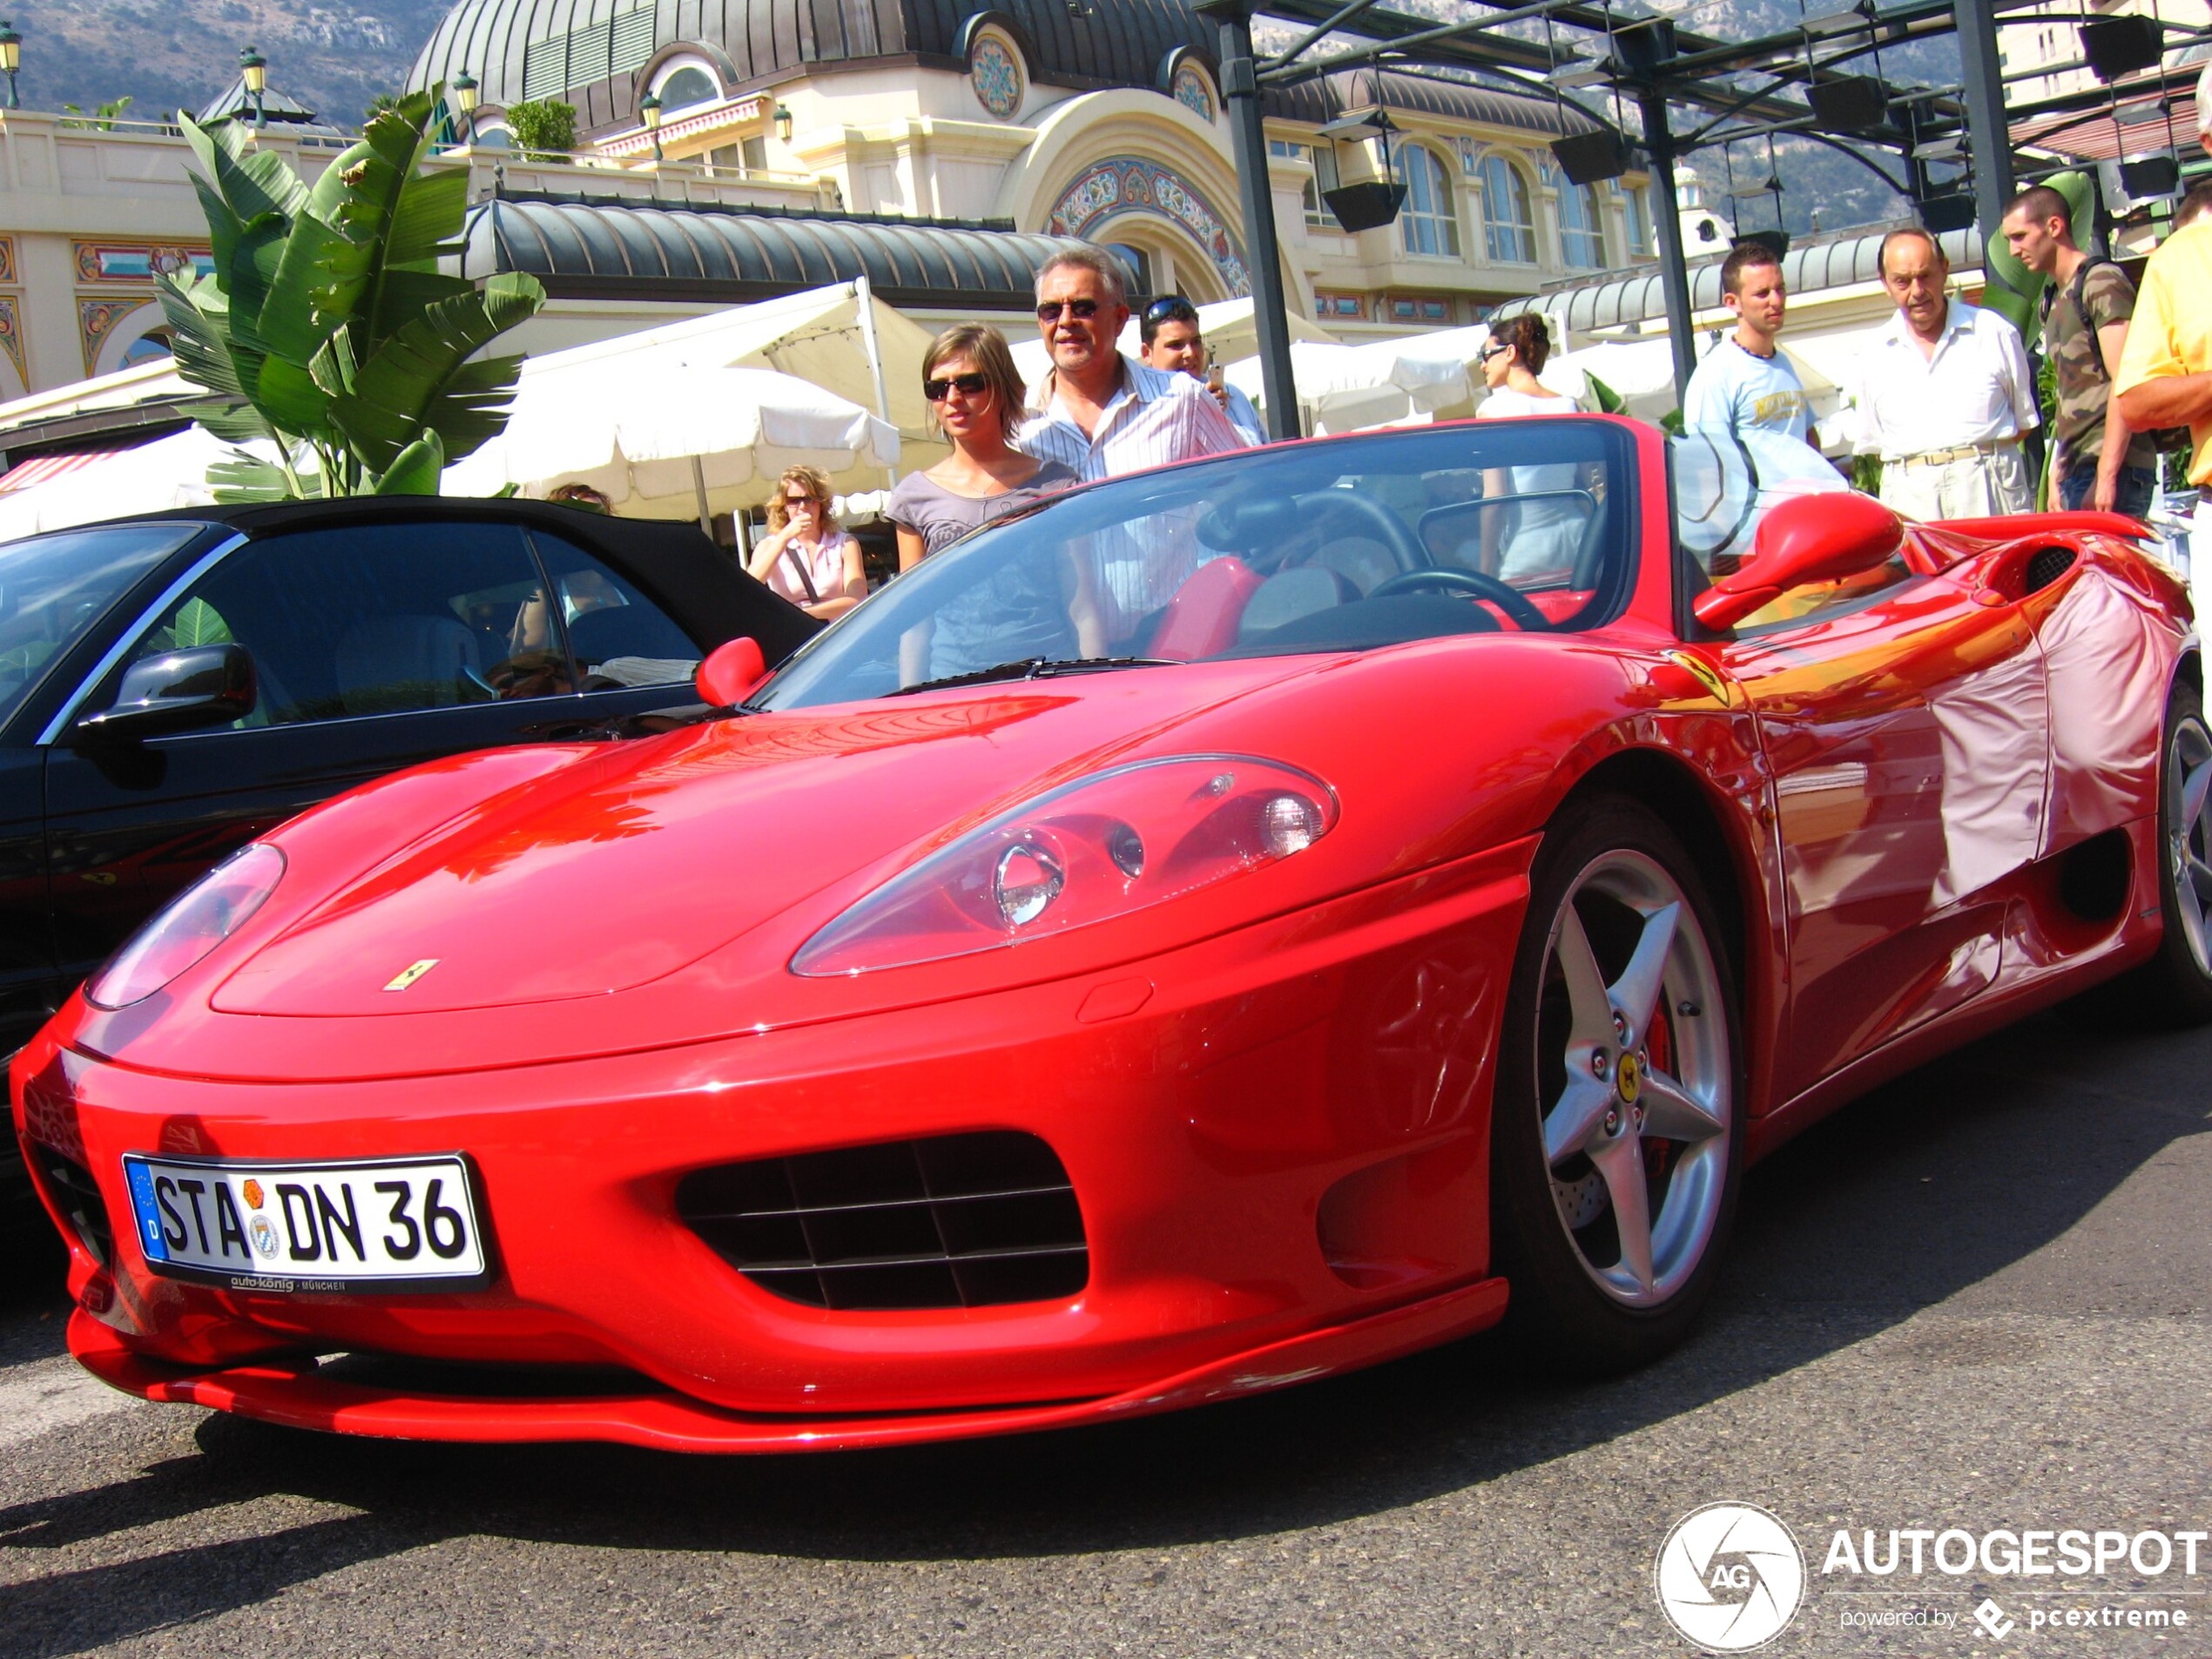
<point x="1945" y="395"/>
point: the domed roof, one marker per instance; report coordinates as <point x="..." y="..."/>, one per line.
<point x="590" y="52"/>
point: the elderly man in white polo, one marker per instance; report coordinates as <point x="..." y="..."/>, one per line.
<point x="1943" y="395"/>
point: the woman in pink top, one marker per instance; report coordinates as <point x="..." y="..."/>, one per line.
<point x="805" y="556"/>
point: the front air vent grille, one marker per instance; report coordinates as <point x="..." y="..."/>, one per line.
<point x="77" y="1197"/>
<point x="2046" y="566"/>
<point x="970" y="1220"/>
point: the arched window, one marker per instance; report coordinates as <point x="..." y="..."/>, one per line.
<point x="1427" y="221"/>
<point x="688" y="85"/>
<point x="1580" y="238"/>
<point x="1639" y="221"/>
<point x="1508" y="222"/>
<point x="155" y="342"/>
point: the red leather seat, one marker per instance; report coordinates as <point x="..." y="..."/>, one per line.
<point x="1201" y="620"/>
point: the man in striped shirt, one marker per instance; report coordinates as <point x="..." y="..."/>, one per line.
<point x="1098" y="413"/>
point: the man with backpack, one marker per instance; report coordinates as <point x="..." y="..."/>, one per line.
<point x="2098" y="460"/>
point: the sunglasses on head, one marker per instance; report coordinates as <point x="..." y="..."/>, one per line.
<point x="969" y="385"/>
<point x="1081" y="310"/>
<point x="1170" y="307"/>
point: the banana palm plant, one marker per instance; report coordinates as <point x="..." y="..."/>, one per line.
<point x="326" y="328"/>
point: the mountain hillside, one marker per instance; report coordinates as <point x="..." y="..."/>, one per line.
<point x="169" y="54"/>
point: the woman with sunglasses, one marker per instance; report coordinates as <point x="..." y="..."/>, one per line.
<point x="975" y="397"/>
<point x="805" y="556"/>
<point x="1543" y="533"/>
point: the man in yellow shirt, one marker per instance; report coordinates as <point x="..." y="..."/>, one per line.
<point x="2165" y="376"/>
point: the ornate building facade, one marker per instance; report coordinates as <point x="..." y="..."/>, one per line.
<point x="1101" y="119"/>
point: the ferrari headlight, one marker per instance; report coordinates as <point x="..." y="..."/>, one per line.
<point x="197" y="920"/>
<point x="1102" y="847"/>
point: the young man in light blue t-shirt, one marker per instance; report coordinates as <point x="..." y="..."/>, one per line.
<point x="1745" y="383"/>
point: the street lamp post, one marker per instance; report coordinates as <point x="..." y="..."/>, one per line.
<point x="10" y="59"/>
<point x="464" y="98"/>
<point x="253" y="71"/>
<point x="1240" y="87"/>
<point x="649" y="107"/>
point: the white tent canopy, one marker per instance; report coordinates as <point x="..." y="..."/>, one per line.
<point x="840" y="339"/>
<point x="1342" y="387"/>
<point x="151" y="478"/>
<point x="665" y="441"/>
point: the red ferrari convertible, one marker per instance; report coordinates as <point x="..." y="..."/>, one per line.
<point x="1221" y="927"/>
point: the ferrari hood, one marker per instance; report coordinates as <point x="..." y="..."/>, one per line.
<point x="633" y="863"/>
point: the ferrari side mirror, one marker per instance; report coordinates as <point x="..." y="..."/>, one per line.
<point x="731" y="672"/>
<point x="1805" y="539"/>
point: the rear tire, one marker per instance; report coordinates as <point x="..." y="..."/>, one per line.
<point x="1616" y="1144"/>
<point x="2174" y="987"/>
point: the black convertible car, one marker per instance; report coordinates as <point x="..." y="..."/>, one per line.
<point x="171" y="686"/>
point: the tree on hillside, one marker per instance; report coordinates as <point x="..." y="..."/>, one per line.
<point x="327" y="330"/>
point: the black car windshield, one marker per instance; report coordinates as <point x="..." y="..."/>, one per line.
<point x="53" y="587"/>
<point x="1353" y="545"/>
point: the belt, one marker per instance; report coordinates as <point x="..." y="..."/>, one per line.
<point x="1963" y="452"/>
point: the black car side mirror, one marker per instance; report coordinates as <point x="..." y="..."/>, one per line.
<point x="178" y="691"/>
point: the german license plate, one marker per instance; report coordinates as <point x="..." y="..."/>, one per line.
<point x="412" y="1222"/>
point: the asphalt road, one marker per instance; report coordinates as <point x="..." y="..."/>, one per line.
<point x="1980" y="1300"/>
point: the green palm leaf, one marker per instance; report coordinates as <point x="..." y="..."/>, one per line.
<point x="420" y="377"/>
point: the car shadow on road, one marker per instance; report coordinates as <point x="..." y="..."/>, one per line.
<point x="1967" y="1175"/>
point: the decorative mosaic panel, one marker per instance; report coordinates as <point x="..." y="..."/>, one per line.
<point x="996" y="78"/>
<point x="136" y="262"/>
<point x="1192" y="92"/>
<point x="6" y="258"/>
<point x="11" y="335"/>
<point x="97" y="319"/>
<point x="1123" y="185"/>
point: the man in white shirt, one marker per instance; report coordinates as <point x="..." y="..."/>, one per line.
<point x="1169" y="336"/>
<point x="1943" y="395"/>
<point x="1745" y="383"/>
<point x="1100" y="413"/>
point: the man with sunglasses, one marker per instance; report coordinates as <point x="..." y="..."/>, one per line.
<point x="1098" y="413"/>
<point x="1168" y="331"/>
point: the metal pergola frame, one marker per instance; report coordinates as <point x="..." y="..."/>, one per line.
<point x="1973" y="113"/>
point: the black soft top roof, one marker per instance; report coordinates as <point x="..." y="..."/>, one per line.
<point x="672" y="561"/>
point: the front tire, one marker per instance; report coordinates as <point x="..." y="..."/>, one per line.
<point x="1616" y="1141"/>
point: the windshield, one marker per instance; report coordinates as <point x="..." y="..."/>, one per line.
<point x="1726" y="482"/>
<point x="1353" y="545"/>
<point x="54" y="587"/>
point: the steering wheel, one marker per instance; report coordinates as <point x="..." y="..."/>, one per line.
<point x="1375" y="521"/>
<point x="1508" y="599"/>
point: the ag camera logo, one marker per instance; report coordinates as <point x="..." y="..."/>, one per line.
<point x="1731" y="1576"/>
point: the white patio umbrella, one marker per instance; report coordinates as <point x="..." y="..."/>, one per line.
<point x="674" y="441"/>
<point x="1342" y="388"/>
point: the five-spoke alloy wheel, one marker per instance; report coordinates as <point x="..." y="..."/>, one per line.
<point x="2175" y="985"/>
<point x="1616" y="1140"/>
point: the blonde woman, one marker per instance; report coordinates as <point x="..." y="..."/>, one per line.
<point x="976" y="398"/>
<point x="805" y="556"/>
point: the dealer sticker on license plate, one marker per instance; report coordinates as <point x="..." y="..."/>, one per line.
<point x="310" y="1226"/>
